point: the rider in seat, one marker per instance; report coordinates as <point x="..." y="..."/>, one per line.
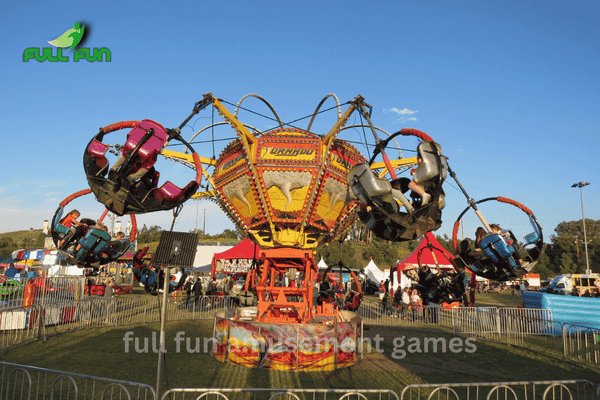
<point x="140" y="152"/>
<point x="430" y="172"/>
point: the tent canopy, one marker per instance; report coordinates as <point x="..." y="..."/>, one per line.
<point x="244" y="249"/>
<point x="431" y="253"/>
<point x="373" y="272"/>
<point x="205" y="254"/>
<point x="322" y="264"/>
<point x="236" y="259"/>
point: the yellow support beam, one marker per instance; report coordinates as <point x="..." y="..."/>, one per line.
<point x="401" y="163"/>
<point x="188" y="159"/>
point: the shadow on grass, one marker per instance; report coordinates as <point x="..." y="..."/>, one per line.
<point x="405" y="355"/>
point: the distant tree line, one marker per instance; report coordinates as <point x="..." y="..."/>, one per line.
<point x="147" y="235"/>
<point x="565" y="251"/>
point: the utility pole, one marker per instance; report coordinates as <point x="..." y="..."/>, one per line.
<point x="580" y="185"/>
<point x="196" y="231"/>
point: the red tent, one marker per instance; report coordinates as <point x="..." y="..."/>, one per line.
<point x="236" y="259"/>
<point x="431" y="253"/>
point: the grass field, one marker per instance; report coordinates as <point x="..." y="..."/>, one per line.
<point x="101" y="352"/>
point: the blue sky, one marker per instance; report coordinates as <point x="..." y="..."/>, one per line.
<point x="509" y="89"/>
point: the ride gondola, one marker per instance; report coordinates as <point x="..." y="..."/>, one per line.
<point x="348" y="298"/>
<point x="402" y="219"/>
<point x="152" y="279"/>
<point x="438" y="286"/>
<point x="87" y="245"/>
<point x="499" y="255"/>
<point x="130" y="185"/>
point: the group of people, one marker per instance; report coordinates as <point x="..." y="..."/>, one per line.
<point x="586" y="292"/>
<point x="198" y="287"/>
<point x="406" y="302"/>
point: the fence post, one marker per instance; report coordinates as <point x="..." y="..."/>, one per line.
<point x="564" y="337"/>
<point x="498" y="324"/>
<point x="41" y="322"/>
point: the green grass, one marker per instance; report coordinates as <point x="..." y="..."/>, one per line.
<point x="101" y="352"/>
<point x="501" y="299"/>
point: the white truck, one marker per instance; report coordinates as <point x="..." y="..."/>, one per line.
<point x="564" y="284"/>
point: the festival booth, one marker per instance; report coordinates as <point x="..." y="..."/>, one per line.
<point x="28" y="260"/>
<point x="236" y="260"/>
<point x="120" y="272"/>
<point x="204" y="257"/>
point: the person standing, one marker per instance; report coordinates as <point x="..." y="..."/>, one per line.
<point x="109" y="294"/>
<point x="188" y="286"/>
<point x="416" y="304"/>
<point x="109" y="291"/>
<point x="405" y="303"/>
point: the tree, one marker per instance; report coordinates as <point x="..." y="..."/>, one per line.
<point x="446" y="242"/>
<point x="542" y="267"/>
<point x="567" y="266"/>
<point x="336" y="252"/>
<point x="7" y="246"/>
<point x="569" y="239"/>
<point x="149" y="235"/>
<point x="228" y="234"/>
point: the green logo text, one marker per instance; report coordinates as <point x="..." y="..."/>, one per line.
<point x="82" y="53"/>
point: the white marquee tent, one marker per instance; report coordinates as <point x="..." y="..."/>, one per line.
<point x="204" y="256"/>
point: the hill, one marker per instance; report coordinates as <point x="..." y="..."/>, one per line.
<point x="11" y="241"/>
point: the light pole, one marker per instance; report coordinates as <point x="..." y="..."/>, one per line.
<point x="580" y="185"/>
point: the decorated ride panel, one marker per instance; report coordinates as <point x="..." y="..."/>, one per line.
<point x="300" y="197"/>
<point x="321" y="346"/>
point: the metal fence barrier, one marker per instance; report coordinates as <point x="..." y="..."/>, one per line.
<point x="279" y="394"/>
<point x="32" y="383"/>
<point x="49" y="290"/>
<point x="530" y="328"/>
<point x="543" y="390"/>
<point x="19" y="324"/>
<point x="382" y="314"/>
<point x="581" y="344"/>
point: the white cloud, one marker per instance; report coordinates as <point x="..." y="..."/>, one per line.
<point x="405" y="111"/>
<point x="52" y="184"/>
<point x="401" y="115"/>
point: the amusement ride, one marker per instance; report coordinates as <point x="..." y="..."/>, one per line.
<point x="291" y="190"/>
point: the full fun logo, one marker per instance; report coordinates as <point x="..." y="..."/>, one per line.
<point x="68" y="41"/>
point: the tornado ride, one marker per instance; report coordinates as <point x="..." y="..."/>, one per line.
<point x="291" y="191"/>
<point x="288" y="189"/>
